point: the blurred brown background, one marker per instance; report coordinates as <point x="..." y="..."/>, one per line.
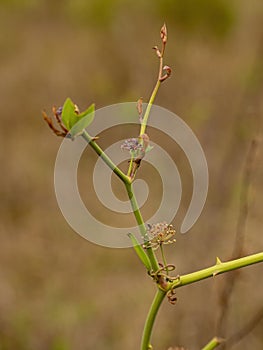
<point x="57" y="290"/>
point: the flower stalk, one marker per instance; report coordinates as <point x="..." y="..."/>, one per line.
<point x="160" y="78"/>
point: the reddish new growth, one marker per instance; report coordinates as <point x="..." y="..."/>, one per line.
<point x="160" y="53"/>
<point x="57" y="112"/>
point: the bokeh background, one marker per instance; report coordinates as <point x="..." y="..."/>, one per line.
<point x="61" y="292"/>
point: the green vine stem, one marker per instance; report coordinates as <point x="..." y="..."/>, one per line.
<point x="141" y="224"/>
<point x="149" y="106"/>
<point x="126" y="180"/>
<point x="147" y="332"/>
<point x="105" y="158"/>
<point x="218" y="268"/>
<point x="213" y="343"/>
<point x="160" y="78"/>
<point x="130" y="167"/>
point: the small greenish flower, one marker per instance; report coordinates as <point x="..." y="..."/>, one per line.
<point x="131" y="144"/>
<point x="160" y="233"/>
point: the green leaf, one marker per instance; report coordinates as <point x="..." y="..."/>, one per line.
<point x="83" y="120"/>
<point x="68" y="113"/>
<point x="140" y="252"/>
<point x="76" y="122"/>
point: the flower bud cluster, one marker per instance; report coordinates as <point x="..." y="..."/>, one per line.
<point x="160" y="233"/>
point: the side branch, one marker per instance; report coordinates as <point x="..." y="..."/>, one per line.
<point x="218" y="268"/>
<point x="105" y="158"/>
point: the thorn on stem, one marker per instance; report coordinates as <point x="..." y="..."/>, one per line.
<point x="218" y="261"/>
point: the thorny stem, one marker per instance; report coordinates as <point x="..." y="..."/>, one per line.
<point x="218" y="268"/>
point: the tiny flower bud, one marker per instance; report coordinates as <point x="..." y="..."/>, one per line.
<point x="139" y="105"/>
<point x="59" y="110"/>
<point x="76" y="109"/>
<point x="163" y="34"/>
<point x="158" y="52"/>
<point x="132" y="144"/>
<point x="160" y="233"/>
<point x="168" y="71"/>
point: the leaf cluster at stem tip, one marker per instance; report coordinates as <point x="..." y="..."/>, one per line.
<point x="70" y="120"/>
<point x="75" y="121"/>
